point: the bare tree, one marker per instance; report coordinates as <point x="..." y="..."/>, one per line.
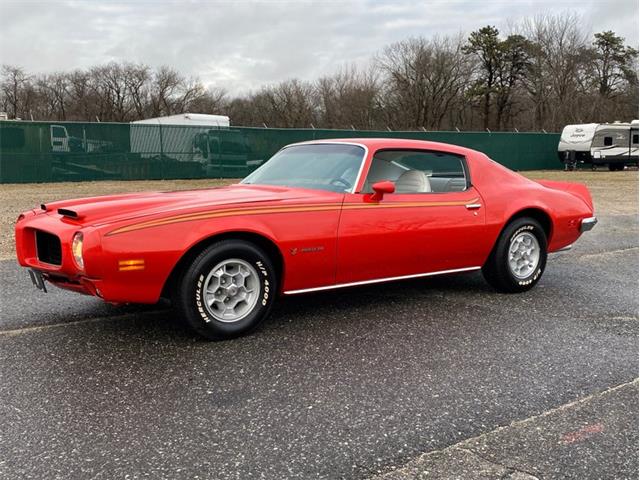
<point x="212" y="100"/>
<point x="17" y="91"/>
<point x="82" y="98"/>
<point x="561" y="42"/>
<point x="165" y="84"/>
<point x="286" y="104"/>
<point x="53" y="92"/>
<point x="423" y="79"/>
<point x="349" y="98"/>
<point x="136" y="80"/>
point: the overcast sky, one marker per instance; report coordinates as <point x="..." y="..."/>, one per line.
<point x="242" y="45"/>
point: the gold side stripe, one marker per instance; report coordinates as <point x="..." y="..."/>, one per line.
<point x="289" y="209"/>
<point x="224" y="213"/>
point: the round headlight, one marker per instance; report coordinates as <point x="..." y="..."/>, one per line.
<point x="76" y="250"/>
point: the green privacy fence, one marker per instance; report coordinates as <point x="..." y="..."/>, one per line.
<point x="72" y="151"/>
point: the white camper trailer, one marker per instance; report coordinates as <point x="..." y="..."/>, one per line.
<point x="613" y="144"/>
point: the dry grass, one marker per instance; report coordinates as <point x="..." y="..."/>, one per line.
<point x="614" y="193"/>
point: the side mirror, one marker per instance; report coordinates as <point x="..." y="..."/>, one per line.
<point x="380" y="188"/>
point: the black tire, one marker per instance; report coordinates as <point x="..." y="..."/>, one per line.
<point x="496" y="270"/>
<point x="189" y="297"/>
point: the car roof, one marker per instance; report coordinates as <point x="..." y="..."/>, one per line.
<point x="378" y="143"/>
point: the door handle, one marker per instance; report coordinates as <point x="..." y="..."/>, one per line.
<point x="473" y="206"/>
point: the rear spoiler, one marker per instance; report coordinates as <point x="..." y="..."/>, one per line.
<point x="578" y="190"/>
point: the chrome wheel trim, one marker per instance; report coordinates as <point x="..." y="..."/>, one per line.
<point x="231" y="290"/>
<point x="524" y="254"/>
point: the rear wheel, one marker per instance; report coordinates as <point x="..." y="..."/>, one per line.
<point x="518" y="258"/>
<point x="228" y="290"/>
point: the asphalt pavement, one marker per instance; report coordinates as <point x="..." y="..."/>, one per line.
<point x="436" y="378"/>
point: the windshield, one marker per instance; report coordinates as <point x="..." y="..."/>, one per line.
<point x="333" y="167"/>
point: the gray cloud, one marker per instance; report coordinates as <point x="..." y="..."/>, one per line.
<point x="242" y="45"/>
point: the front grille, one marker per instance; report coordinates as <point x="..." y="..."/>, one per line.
<point x="48" y="248"/>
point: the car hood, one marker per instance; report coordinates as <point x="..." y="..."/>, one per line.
<point x="97" y="211"/>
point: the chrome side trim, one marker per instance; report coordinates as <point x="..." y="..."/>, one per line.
<point x="587" y="224"/>
<point x="380" y="280"/>
<point x="563" y="249"/>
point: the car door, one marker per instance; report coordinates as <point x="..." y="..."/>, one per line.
<point x="433" y="222"/>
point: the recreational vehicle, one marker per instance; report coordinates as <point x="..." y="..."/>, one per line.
<point x="613" y="144"/>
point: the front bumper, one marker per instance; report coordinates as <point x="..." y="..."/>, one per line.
<point x="587" y="224"/>
<point x="61" y="271"/>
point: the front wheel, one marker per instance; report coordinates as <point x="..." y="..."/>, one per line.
<point x="228" y="290"/>
<point x="518" y="258"/>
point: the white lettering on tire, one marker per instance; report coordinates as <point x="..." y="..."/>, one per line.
<point x="265" y="288"/>
<point x="199" y="285"/>
<point x="199" y="306"/>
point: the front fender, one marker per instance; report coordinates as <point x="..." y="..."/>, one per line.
<point x="154" y="252"/>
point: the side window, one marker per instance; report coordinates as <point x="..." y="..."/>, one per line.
<point x="608" y="141"/>
<point x="635" y="139"/>
<point x="58" y="132"/>
<point x="418" y="171"/>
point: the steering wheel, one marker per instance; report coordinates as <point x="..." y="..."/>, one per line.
<point x="340" y="181"/>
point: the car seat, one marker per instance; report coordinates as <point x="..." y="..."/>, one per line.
<point x="413" y="181"/>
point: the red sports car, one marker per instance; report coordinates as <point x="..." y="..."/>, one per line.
<point x="318" y="215"/>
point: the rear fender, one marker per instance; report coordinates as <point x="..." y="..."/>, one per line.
<point x="578" y="190"/>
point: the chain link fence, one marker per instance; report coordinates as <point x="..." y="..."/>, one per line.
<point x="73" y="151"/>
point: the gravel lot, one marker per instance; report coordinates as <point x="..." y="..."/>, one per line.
<point x="439" y="378"/>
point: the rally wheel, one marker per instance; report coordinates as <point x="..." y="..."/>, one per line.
<point x="519" y="257"/>
<point x="228" y="289"/>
